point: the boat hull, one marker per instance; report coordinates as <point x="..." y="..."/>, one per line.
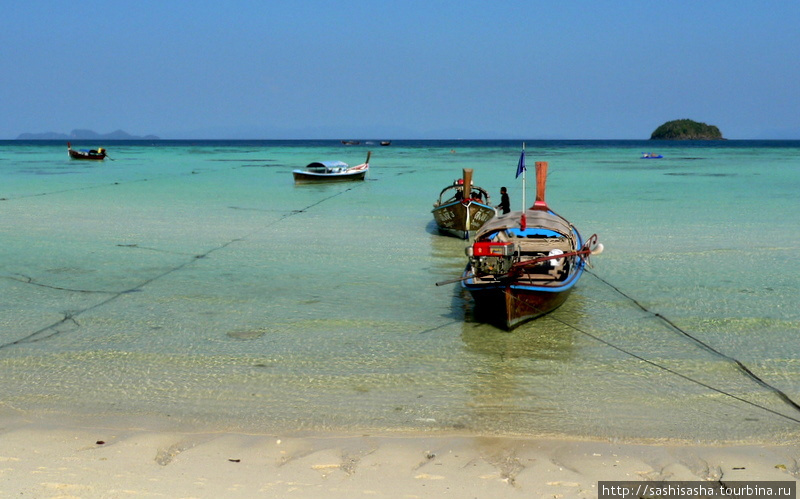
<point x="86" y="155"/>
<point x="510" y="304"/>
<point x="303" y="177"/>
<point x="462" y="218"/>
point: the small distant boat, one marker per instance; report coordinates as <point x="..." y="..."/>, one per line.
<point x="351" y="142"/>
<point x="93" y="154"/>
<point x="524" y="264"/>
<point x="651" y="155"/>
<point x="462" y="208"/>
<point x="386" y="142"/>
<point x="331" y="171"/>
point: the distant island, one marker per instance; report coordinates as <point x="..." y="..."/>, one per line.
<point x="84" y="135"/>
<point x="686" y="130"/>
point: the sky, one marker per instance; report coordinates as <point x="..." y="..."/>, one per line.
<point x="413" y="69"/>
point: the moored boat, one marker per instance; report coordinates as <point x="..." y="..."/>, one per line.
<point x="525" y="264"/>
<point x="93" y="154"/>
<point x="331" y="171"/>
<point x="462" y="208"/>
<point x="651" y="155"/>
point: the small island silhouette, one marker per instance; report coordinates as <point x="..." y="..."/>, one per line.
<point x="80" y="134"/>
<point x="686" y="130"/>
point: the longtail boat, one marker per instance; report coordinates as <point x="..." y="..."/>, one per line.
<point x="525" y="264"/>
<point x="331" y="171"/>
<point x="93" y="154"/>
<point x="462" y="208"/>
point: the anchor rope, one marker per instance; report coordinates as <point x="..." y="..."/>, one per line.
<point x="674" y="372"/>
<point x="679" y="374"/>
<point x="739" y="365"/>
<point x="39" y="335"/>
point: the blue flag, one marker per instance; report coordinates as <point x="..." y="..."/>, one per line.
<point x="521" y="165"/>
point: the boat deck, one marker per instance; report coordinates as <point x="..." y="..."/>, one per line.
<point x="529" y="247"/>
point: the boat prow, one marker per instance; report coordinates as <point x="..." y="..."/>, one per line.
<point x="462" y="208"/>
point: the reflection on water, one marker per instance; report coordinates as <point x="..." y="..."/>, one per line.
<point x="509" y="387"/>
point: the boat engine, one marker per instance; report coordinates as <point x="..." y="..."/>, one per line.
<point x="492" y="258"/>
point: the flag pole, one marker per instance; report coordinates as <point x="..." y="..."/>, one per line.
<point x="524" y="170"/>
<point x="522" y="219"/>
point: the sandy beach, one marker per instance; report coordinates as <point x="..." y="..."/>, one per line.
<point x="37" y="461"/>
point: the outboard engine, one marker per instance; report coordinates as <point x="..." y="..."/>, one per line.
<point x="492" y="258"/>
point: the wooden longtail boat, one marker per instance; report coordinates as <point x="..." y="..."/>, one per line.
<point x="331" y="171"/>
<point x="462" y="208"/>
<point x="94" y="154"/>
<point x="525" y="264"/>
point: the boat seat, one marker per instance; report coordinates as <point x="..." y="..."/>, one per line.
<point x="547" y="270"/>
<point x="538" y="278"/>
<point x="542" y="245"/>
<point x="558" y="270"/>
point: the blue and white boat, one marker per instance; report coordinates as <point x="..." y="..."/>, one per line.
<point x="331" y="171"/>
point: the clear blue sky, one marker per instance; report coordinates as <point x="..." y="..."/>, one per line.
<point x="400" y="69"/>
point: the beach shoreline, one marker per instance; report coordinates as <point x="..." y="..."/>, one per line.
<point x="38" y="460"/>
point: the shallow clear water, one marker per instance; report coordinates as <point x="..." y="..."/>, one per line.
<point x="194" y="283"/>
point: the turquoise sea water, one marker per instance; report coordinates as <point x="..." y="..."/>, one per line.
<point x="193" y="285"/>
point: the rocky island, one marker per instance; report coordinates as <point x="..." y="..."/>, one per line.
<point x="686" y="130"/>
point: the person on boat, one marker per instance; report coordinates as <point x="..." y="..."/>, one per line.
<point x="459" y="189"/>
<point x="505" y="203"/>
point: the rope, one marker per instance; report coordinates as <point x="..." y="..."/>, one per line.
<point x="676" y="373"/>
<point x="70" y="316"/>
<point x="782" y="395"/>
<point x="583" y="254"/>
<point x="739" y="365"/>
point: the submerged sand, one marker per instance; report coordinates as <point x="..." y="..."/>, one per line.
<point x="38" y="461"/>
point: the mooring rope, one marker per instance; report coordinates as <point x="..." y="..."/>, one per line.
<point x="739" y="365"/>
<point x="676" y="373"/>
<point x="69" y="317"/>
<point x="782" y="395"/>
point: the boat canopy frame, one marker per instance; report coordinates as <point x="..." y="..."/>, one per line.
<point x="327" y="166"/>
<point x="484" y="195"/>
<point x="535" y="219"/>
